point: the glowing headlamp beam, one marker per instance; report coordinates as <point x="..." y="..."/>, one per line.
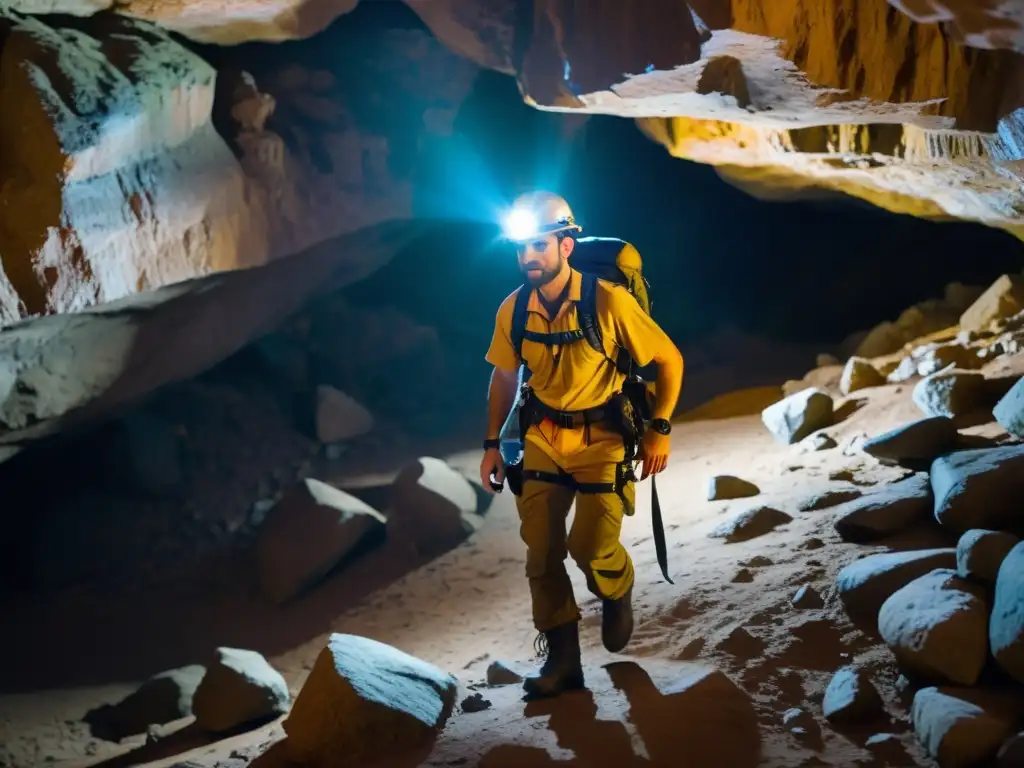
<point x="520" y="224"/>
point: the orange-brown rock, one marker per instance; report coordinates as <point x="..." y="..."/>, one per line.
<point x="114" y="178"/>
<point x="784" y="98"/>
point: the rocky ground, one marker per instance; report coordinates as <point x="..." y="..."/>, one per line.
<point x="847" y="592"/>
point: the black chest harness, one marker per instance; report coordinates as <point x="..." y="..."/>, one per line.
<point x="624" y="414"/>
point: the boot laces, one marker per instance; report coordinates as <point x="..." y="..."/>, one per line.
<point x="540" y="644"/>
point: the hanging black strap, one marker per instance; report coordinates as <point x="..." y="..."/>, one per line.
<point x="552" y="339"/>
<point x="660" y="547"/>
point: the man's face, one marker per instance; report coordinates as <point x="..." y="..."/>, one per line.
<point x="542" y="260"/>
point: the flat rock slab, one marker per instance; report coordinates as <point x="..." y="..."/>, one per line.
<point x="865" y="584"/>
<point x="886" y="510"/>
<point x="750" y="524"/>
<point x="980" y="489"/>
<point x="915" y="445"/>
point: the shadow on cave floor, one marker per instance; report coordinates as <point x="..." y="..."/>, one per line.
<point x="623" y="719"/>
<point x="132" y="634"/>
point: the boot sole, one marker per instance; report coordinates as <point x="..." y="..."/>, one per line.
<point x="573" y="684"/>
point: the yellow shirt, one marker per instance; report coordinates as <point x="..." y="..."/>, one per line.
<point x="575" y="376"/>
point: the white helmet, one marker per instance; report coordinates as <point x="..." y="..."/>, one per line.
<point x="536" y="214"/>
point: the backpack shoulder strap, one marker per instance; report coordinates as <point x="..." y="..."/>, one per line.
<point x="586" y="312"/>
<point x="519" y="319"/>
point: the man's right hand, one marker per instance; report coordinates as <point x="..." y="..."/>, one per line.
<point x="492" y="464"/>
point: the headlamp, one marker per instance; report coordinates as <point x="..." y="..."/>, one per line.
<point x="520" y="224"/>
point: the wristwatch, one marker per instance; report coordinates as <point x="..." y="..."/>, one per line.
<point x="492" y="442"/>
<point x="661" y="426"/>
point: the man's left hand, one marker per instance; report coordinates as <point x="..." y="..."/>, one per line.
<point x="654" y="453"/>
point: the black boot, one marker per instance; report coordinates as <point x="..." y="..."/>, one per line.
<point x="617" y="622"/>
<point x="563" y="670"/>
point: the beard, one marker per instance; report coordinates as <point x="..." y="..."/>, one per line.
<point x="543" y="278"/>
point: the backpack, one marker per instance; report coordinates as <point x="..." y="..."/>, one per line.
<point x="596" y="258"/>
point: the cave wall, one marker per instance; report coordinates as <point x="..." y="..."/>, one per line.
<point x="134" y="163"/>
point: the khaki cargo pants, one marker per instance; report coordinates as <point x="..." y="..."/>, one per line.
<point x="593" y="542"/>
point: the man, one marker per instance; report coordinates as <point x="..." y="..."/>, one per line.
<point x="575" y="458"/>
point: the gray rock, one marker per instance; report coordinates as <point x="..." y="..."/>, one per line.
<point x="339" y="417"/>
<point x="951" y="393"/>
<point x="475" y="703"/>
<point x="937" y="627"/>
<point x="307" y="533"/>
<point x="750" y="524"/>
<point x="239" y="687"/>
<point x="979" y="489"/>
<point x="980" y="553"/>
<point x="859" y="373"/>
<point x="1001" y="300"/>
<point x="851" y="697"/>
<point x="499" y="673"/>
<point x="886" y="510"/>
<point x="366" y="700"/>
<point x="795" y="417"/>
<point x="865" y="584"/>
<point x="722" y="487"/>
<point x="914" y="445"/>
<point x="433" y="506"/>
<point x="830" y="498"/>
<point x="819" y="441"/>
<point x="959" y="727"/>
<point x="161" y="699"/>
<point x="1009" y="411"/>
<point x="1006" y="625"/>
<point x="807" y="597"/>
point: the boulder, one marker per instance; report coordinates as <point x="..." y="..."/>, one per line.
<point x="937" y="627"/>
<point x="960" y="727"/>
<point x="980" y="553"/>
<point x="859" y="373"/>
<point x="1011" y="754"/>
<point x="851" y="697"/>
<point x="938" y="357"/>
<point x="311" y="529"/>
<point x="980" y="489"/>
<point x="239" y="687"/>
<point x="1009" y="411"/>
<point x="751" y="523"/>
<point x="951" y="393"/>
<point x="865" y="584"/>
<point x="886" y="510"/>
<point x="366" y="700"/>
<point x="829" y="498"/>
<point x="1006" y="625"/>
<point x="339" y="417"/>
<point x="914" y="445"/>
<point x="721" y="487"/>
<point x="904" y="370"/>
<point x="433" y="506"/>
<point x="807" y="597"/>
<point x="160" y="699"/>
<point x="795" y="417"/>
<point x="1003" y="299"/>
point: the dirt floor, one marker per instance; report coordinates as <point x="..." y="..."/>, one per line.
<point x="729" y="609"/>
